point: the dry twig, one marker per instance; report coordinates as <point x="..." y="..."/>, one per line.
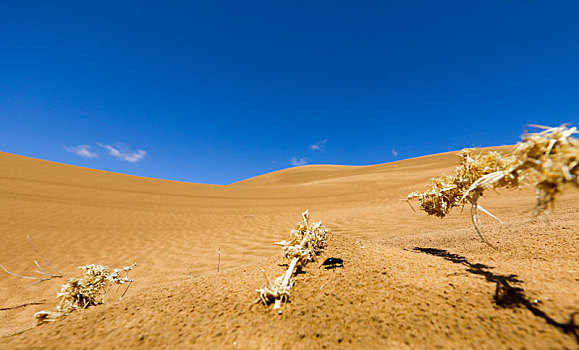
<point x="88" y="290"/>
<point x="45" y="275"/>
<point x="549" y="158"/>
<point x="304" y="244"/>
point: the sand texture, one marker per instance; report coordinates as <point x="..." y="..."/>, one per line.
<point x="409" y="281"/>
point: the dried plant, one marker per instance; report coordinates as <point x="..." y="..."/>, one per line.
<point x="274" y="290"/>
<point x="45" y="275"/>
<point x="78" y="293"/>
<point x="305" y="243"/>
<point x="449" y="191"/>
<point x="88" y="290"/>
<point x="549" y="158"/>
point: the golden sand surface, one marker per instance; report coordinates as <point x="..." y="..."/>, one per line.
<point x="409" y="281"/>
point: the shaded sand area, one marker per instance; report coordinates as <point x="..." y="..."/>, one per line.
<point x="409" y="280"/>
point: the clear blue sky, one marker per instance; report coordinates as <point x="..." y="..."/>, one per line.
<point x="217" y="91"/>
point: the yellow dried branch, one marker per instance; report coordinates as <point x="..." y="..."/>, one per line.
<point x="88" y="290"/>
<point x="274" y="290"/>
<point x="449" y="191"/>
<point x="550" y="158"/>
<point x="305" y="243"/>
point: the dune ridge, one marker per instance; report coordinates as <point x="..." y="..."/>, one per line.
<point x="388" y="294"/>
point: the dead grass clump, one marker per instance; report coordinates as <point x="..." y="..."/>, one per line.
<point x="88" y="290"/>
<point x="305" y="243"/>
<point x="449" y="191"/>
<point x="550" y="159"/>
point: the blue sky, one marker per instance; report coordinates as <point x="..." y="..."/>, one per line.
<point x="218" y="91"/>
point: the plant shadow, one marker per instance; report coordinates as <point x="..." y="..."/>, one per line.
<point x="506" y="295"/>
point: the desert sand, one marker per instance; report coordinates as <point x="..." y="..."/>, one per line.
<point x="409" y="281"/>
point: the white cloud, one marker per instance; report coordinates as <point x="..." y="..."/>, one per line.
<point x="298" y="162"/>
<point x="122" y="152"/>
<point x="82" y="151"/>
<point x="318" y="146"/>
<point x="394" y="153"/>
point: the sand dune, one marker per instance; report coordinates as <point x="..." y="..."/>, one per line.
<point x="419" y="282"/>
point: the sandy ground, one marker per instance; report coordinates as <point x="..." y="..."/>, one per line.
<point x="409" y="281"/>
